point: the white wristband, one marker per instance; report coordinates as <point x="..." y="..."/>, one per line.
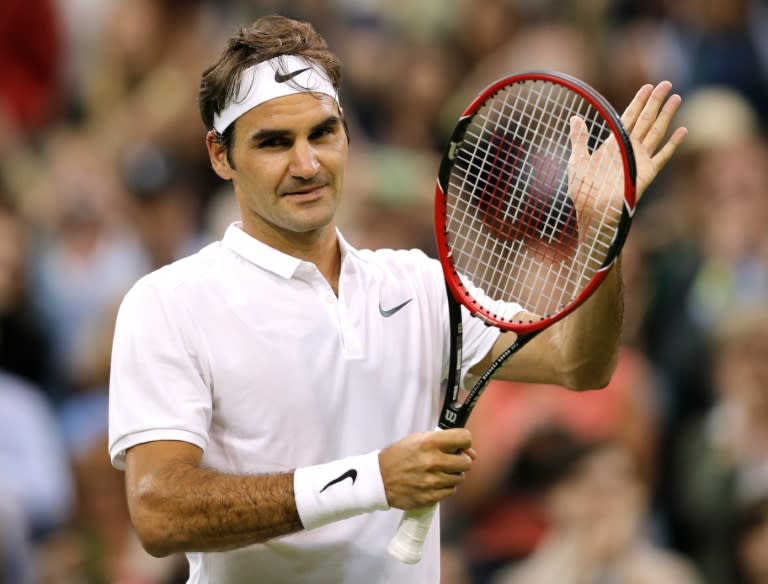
<point x="339" y="489"/>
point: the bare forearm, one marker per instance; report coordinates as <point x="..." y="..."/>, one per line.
<point x="591" y="335"/>
<point x="579" y="352"/>
<point x="187" y="508"/>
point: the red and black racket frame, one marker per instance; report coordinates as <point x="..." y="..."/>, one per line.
<point x="455" y="413"/>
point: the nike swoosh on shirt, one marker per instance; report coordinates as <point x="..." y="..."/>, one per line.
<point x="350" y="474"/>
<point x="283" y="77"/>
<point x="387" y="312"/>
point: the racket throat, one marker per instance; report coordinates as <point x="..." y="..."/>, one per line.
<point x="451" y="417"/>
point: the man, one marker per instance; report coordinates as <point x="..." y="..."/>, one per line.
<point x="270" y="394"/>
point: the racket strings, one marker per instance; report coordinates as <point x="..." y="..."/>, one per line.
<point x="517" y="233"/>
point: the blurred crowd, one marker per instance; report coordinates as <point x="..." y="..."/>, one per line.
<point x="662" y="477"/>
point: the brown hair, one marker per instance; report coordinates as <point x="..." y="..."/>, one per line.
<point x="268" y="37"/>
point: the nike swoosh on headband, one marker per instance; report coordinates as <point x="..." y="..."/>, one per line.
<point x="283" y="77"/>
<point x="267" y="80"/>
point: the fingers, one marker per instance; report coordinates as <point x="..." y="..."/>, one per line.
<point x="425" y="468"/>
<point x="662" y="156"/>
<point x="648" y="117"/>
<point x="437" y="485"/>
<point x="455" y="451"/>
<point x="632" y="113"/>
<point x="579" y="137"/>
<point x="660" y="125"/>
<point x="453" y="440"/>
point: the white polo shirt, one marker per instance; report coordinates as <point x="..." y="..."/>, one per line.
<point x="247" y="353"/>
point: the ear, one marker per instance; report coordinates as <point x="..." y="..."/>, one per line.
<point x="217" y="152"/>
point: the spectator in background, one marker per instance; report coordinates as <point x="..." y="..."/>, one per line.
<point x="30" y="68"/>
<point x="709" y="237"/>
<point x="705" y="243"/>
<point x="721" y="43"/>
<point x="86" y="257"/>
<point x="750" y="542"/>
<point x="36" y="488"/>
<point x="484" y="27"/>
<point x="722" y="455"/>
<point x="694" y="43"/>
<point x="397" y="209"/>
<point x="597" y="506"/>
<point x="15" y="546"/>
<point x="498" y="520"/>
<point x="163" y="203"/>
<point x="25" y="344"/>
<point x="140" y="88"/>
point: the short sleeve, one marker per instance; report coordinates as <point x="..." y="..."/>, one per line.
<point x="157" y="388"/>
<point x="478" y="338"/>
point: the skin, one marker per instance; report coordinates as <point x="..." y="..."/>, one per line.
<point x="580" y="351"/>
<point x="289" y="157"/>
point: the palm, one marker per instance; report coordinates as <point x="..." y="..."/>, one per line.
<point x="597" y="180"/>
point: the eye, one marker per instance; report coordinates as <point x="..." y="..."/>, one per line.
<point x="322" y="132"/>
<point x="276" y="142"/>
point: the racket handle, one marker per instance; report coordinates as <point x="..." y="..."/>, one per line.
<point x="408" y="543"/>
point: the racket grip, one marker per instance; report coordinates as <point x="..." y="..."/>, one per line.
<point x="408" y="542"/>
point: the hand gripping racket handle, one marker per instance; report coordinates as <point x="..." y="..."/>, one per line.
<point x="408" y="543"/>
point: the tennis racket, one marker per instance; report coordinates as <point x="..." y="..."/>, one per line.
<point x="534" y="199"/>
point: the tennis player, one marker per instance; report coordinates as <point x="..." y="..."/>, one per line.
<point x="270" y="395"/>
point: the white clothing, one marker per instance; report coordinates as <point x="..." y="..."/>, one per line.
<point x="247" y="353"/>
<point x="270" y="79"/>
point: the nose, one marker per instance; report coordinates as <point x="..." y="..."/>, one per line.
<point x="304" y="163"/>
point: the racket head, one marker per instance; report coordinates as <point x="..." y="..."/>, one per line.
<point x="524" y="216"/>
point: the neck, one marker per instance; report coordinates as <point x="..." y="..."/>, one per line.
<point x="319" y="247"/>
<point x="324" y="252"/>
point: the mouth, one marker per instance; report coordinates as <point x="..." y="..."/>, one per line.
<point x="306" y="192"/>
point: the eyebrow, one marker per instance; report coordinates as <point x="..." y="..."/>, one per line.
<point x="271" y="134"/>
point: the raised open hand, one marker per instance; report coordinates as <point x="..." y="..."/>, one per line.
<point x="647" y="119"/>
<point x="596" y="179"/>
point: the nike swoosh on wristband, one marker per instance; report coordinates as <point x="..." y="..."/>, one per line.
<point x="350" y="474"/>
<point x="387" y="312"/>
<point x="283" y="77"/>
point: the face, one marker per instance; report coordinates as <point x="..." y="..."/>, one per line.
<point x="288" y="158"/>
<point x="603" y="490"/>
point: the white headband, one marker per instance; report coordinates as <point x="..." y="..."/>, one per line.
<point x="277" y="77"/>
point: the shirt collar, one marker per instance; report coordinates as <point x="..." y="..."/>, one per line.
<point x="269" y="258"/>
